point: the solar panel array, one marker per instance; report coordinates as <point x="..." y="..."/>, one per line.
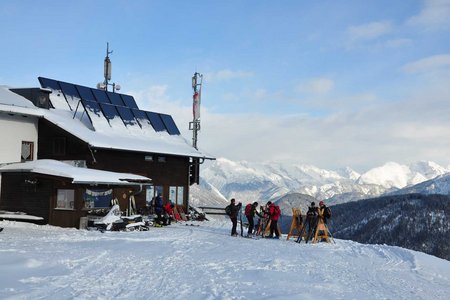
<point x="111" y="105"/>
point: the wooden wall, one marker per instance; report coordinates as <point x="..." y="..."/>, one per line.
<point x="36" y="195"/>
<point x="174" y="171"/>
<point x="24" y="192"/>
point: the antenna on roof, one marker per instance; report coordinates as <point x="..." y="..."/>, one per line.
<point x="197" y="80"/>
<point x="107" y="71"/>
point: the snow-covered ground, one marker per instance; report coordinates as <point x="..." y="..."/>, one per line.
<point x="204" y="262"/>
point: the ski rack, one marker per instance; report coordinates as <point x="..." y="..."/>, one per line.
<point x="297" y="226"/>
<point x="322" y="231"/>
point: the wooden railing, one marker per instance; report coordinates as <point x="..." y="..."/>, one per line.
<point x="213" y="210"/>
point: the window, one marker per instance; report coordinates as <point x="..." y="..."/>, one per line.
<point x="59" y="146"/>
<point x="27" y="151"/>
<point x="151" y="192"/>
<point x="65" y="199"/>
<point x="173" y="194"/>
<point x="176" y="195"/>
<point x="161" y="159"/>
<point x="180" y="195"/>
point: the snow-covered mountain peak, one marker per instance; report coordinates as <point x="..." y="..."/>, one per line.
<point x="389" y="175"/>
<point x="349" y="173"/>
<point x="263" y="181"/>
<point x="395" y="175"/>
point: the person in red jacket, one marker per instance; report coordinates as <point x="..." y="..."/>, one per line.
<point x="274" y="213"/>
<point x="168" y="213"/>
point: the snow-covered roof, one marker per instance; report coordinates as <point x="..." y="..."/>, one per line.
<point x="94" y="129"/>
<point x="10" y="102"/>
<point x="78" y="175"/>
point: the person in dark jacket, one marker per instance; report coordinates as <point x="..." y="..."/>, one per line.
<point x="311" y="221"/>
<point x="274" y="213"/>
<point x="324" y="211"/>
<point x="250" y="212"/>
<point x="232" y="211"/>
<point x="159" y="209"/>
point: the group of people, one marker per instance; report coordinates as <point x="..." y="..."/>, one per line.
<point x="164" y="212"/>
<point x="272" y="212"/>
<point x="312" y="217"/>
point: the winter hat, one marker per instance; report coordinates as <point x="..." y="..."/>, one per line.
<point x="321" y="203"/>
<point x="255" y="203"/>
<point x="313" y="203"/>
<point x="270" y="202"/>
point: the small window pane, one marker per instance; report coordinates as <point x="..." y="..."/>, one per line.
<point x="65" y="199"/>
<point x="180" y="195"/>
<point x="27" y="151"/>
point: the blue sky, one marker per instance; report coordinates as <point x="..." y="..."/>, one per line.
<point x="328" y="83"/>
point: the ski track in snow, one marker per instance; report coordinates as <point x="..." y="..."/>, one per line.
<point x="187" y="262"/>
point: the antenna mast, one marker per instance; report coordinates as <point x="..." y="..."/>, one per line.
<point x="107" y="73"/>
<point x="197" y="80"/>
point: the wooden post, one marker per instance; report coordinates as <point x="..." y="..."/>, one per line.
<point x="267" y="230"/>
<point x="296" y="225"/>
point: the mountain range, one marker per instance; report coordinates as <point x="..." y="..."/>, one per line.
<point x="394" y="204"/>
<point x="224" y="179"/>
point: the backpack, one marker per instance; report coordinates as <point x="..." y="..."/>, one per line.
<point x="248" y="209"/>
<point x="228" y="210"/>
<point x="276" y="211"/>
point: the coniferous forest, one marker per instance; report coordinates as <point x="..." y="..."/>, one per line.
<point x="414" y="221"/>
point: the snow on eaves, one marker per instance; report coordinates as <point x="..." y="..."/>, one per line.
<point x="78" y="175"/>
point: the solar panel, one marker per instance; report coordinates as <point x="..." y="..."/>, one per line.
<point x="85" y="93"/>
<point x="71" y="94"/>
<point x="49" y="83"/>
<point x="170" y="124"/>
<point x="115" y="98"/>
<point x="141" y="117"/>
<point x="100" y="96"/>
<point x="92" y="106"/>
<point x="129" y="101"/>
<point x="109" y="111"/>
<point x="69" y="90"/>
<point x="156" y="121"/>
<point x="127" y="116"/>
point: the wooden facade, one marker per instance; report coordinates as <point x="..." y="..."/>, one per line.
<point x="164" y="170"/>
<point x="36" y="194"/>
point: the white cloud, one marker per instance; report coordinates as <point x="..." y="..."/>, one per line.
<point x="427" y="64"/>
<point x="226" y="75"/>
<point x="319" y="86"/>
<point x="434" y="15"/>
<point x="417" y="128"/>
<point x="369" y="31"/>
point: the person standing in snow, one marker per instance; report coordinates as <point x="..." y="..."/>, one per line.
<point x="232" y="211"/>
<point x="274" y="213"/>
<point x="250" y="212"/>
<point x="159" y="209"/>
<point x="311" y="221"/>
<point x="324" y="212"/>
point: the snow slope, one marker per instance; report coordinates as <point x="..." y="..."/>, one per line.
<point x="187" y="262"/>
